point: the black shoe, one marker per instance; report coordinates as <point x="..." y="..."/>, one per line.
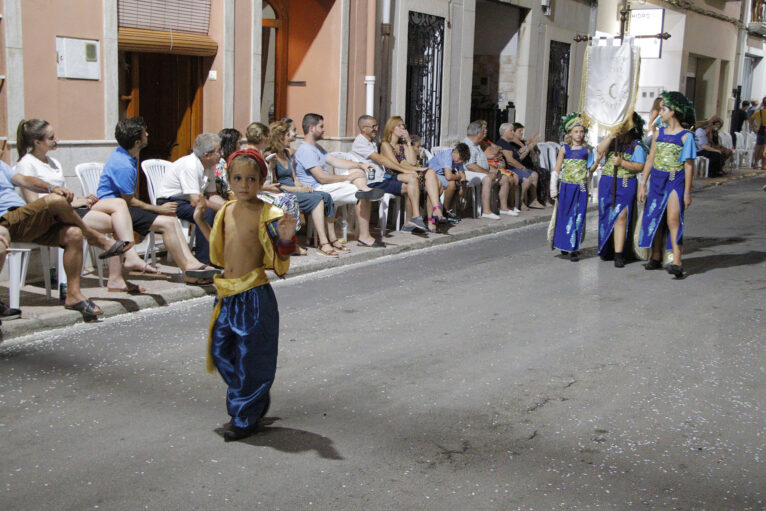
<point x="232" y="433"/>
<point x="8" y="313"/>
<point x="675" y="270"/>
<point x="374" y="194"/>
<point x="564" y="253"/>
<point x="607" y="256"/>
<point x="653" y="264"/>
<point x="619" y="261"/>
<point x="574" y="256"/>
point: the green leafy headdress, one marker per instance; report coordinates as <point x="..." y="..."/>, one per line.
<point x="681" y="105"/>
<point x="569" y="121"/>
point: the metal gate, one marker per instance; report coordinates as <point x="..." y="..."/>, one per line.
<point x="558" y="89"/>
<point x="425" y="55"/>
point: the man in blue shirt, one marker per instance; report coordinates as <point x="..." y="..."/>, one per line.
<point x="119" y="179"/>
<point x="448" y="166"/>
<point x="50" y="221"/>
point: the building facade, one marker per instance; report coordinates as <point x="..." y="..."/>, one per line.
<point x="189" y="66"/>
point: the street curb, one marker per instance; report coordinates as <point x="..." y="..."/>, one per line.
<point x="59" y="317"/>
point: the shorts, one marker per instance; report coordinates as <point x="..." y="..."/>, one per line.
<point x="81" y="212"/>
<point x="443" y="180"/>
<point x="33" y="223"/>
<point x="389" y="185"/>
<point x="522" y="173"/>
<point x="142" y="220"/>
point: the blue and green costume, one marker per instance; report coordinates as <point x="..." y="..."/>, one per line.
<point x="627" y="188"/>
<point x="667" y="178"/>
<point x="573" y="199"/>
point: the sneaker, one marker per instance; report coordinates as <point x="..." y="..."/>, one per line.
<point x="7" y="313"/>
<point x="516" y="210"/>
<point x="509" y="212"/>
<point x="490" y="216"/>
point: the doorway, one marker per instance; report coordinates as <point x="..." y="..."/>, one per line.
<point x="166" y="90"/>
<point x="273" y="61"/>
<point x="558" y="88"/>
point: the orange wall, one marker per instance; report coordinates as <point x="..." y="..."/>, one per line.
<point x="74" y="107"/>
<point x="314" y="57"/>
<point x="212" y="92"/>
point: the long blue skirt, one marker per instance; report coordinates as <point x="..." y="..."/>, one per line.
<point x="660" y="190"/>
<point x="244" y="350"/>
<point x="570" y="217"/>
<point x="608" y="216"/>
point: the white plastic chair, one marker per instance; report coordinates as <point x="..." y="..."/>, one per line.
<point x="18" y="263"/>
<point x="726" y="141"/>
<point x="154" y="170"/>
<point x="701" y="165"/>
<point x="89" y="175"/>
<point x="743" y="153"/>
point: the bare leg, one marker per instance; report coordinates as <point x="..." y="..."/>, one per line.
<point x="317" y="215"/>
<point x="3" y="248"/>
<point x="505" y="186"/>
<point x="63" y="211"/>
<point x="619" y="231"/>
<point x="432" y="189"/>
<point x="122" y="227"/>
<point x="525" y="184"/>
<point x="70" y="237"/>
<point x="410" y="182"/>
<point x="486" y="193"/>
<point x="102" y="222"/>
<point x="363" y="221"/>
<point x="674" y="224"/>
<point x="533" y="180"/>
<point x="172" y="237"/>
<point x="449" y="194"/>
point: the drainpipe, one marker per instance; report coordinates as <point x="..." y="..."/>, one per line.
<point x="385" y="62"/>
<point x="369" y="79"/>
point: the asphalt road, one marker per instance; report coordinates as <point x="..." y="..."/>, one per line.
<point x="488" y="374"/>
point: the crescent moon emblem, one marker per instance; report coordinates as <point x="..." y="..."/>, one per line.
<point x="610" y="91"/>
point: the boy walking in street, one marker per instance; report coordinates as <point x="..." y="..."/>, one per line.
<point x="247" y="238"/>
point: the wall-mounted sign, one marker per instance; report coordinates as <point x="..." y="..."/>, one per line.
<point x="647" y="22"/>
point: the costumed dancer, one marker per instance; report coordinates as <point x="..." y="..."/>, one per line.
<point x="573" y="164"/>
<point x="616" y="203"/>
<point x="244" y="328"/>
<point x="670" y="168"/>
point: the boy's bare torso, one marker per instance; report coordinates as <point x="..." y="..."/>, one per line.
<point x="242" y="252"/>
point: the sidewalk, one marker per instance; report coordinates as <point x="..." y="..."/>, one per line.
<point x="41" y="314"/>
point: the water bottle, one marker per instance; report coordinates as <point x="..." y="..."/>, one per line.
<point x="371" y="174"/>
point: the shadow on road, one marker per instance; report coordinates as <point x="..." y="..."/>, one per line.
<point x="704" y="264"/>
<point x="290" y="440"/>
<point x="692" y="244"/>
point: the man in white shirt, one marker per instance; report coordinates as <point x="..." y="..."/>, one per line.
<point x="389" y="176"/>
<point x="190" y="179"/>
<point x="348" y="188"/>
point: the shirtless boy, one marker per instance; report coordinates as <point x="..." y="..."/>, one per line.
<point x="247" y="238"/>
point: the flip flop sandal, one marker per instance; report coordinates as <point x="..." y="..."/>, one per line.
<point x="117" y="249"/>
<point x="130" y="288"/>
<point x="203" y="273"/>
<point x="198" y="282"/>
<point x="144" y="273"/>
<point x="86" y="308"/>
<point x="327" y="253"/>
<point x="337" y="245"/>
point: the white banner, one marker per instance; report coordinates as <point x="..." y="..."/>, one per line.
<point x="610" y="83"/>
